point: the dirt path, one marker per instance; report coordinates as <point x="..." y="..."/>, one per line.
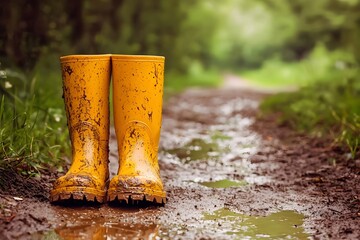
<point x="227" y="177"/>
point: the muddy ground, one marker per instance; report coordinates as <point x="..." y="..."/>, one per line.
<point x="228" y="175"/>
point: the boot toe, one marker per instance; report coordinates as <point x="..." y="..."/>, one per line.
<point x="78" y="186"/>
<point x="77" y="180"/>
<point x="136" y="185"/>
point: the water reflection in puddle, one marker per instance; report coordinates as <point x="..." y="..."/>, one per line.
<point x="222" y="224"/>
<point x="280" y="225"/>
<point x="103" y="230"/>
<point x="225" y="183"/>
<point x="107" y="222"/>
<point x="198" y="149"/>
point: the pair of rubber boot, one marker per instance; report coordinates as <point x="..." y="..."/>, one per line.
<point x="137" y="99"/>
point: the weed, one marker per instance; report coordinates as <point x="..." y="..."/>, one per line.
<point x="328" y="102"/>
<point x="32" y="135"/>
<point x="327" y="108"/>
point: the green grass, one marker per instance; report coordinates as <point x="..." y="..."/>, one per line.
<point x="275" y="73"/>
<point x="327" y="103"/>
<point x="323" y="109"/>
<point x="316" y="67"/>
<point x="33" y="134"/>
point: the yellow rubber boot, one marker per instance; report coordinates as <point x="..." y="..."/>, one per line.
<point x="138" y="89"/>
<point x="86" y="80"/>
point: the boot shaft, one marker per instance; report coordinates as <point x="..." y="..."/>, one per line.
<point x="86" y="80"/>
<point x="138" y="91"/>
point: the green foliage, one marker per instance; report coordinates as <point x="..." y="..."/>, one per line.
<point x="251" y="32"/>
<point x="315" y="67"/>
<point x="328" y="108"/>
<point x="32" y="135"/>
<point x="333" y="22"/>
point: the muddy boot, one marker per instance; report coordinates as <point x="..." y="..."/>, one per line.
<point x="86" y="80"/>
<point x="138" y="89"/>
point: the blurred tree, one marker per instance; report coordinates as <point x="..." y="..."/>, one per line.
<point x="74" y="12"/>
<point x="23" y="31"/>
<point x="228" y="33"/>
<point x="333" y="22"/>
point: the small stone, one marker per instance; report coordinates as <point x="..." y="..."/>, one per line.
<point x="18" y="199"/>
<point x="357" y="163"/>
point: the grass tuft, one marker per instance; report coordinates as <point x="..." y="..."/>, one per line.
<point x="32" y="135"/>
<point x="323" y="109"/>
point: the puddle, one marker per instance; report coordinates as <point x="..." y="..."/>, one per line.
<point x="198" y="149"/>
<point x="102" y="223"/>
<point x="101" y="231"/>
<point x="280" y="225"/>
<point x="218" y="135"/>
<point x="224" y="184"/>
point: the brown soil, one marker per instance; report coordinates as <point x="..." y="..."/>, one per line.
<point x="283" y="170"/>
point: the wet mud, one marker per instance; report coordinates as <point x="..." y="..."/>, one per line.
<point x="228" y="175"/>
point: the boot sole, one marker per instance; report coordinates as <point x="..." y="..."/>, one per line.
<point x="132" y="196"/>
<point x="78" y="193"/>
